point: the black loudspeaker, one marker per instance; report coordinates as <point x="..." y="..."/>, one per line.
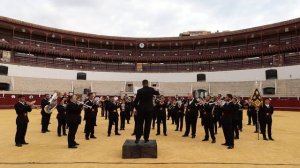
<point x="4" y="86"/>
<point x="86" y="91"/>
<point x="81" y="76"/>
<point x="3" y="70"/>
<point x="201" y="77"/>
<point x="269" y="91"/>
<point x="271" y="74"/>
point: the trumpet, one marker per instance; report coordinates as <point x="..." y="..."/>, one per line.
<point x="84" y="105"/>
<point x="31" y="104"/>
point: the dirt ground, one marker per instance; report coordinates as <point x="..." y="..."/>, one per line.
<point x="49" y="150"/>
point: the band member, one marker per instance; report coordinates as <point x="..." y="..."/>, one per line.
<point x="123" y="114"/>
<point x="208" y="108"/>
<point x="235" y="120"/>
<point x="217" y="115"/>
<point x="144" y="105"/>
<point x="102" y="106"/>
<point x="73" y="111"/>
<point x="241" y="103"/>
<point x="191" y="116"/>
<point x="106" y="101"/>
<point x="90" y="114"/>
<point x="22" y="108"/>
<point x="266" y="112"/>
<point x="172" y="108"/>
<point x="113" y="116"/>
<point x="156" y="109"/>
<point x="45" y="116"/>
<point x="180" y="114"/>
<point x="227" y="117"/>
<point x="250" y="113"/>
<point x="61" y="117"/>
<point x="161" y="116"/>
<point x="128" y="109"/>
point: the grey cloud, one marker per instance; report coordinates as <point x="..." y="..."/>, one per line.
<point x="140" y="18"/>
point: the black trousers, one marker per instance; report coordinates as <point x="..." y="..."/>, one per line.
<point x="235" y="127"/>
<point x="179" y="121"/>
<point x="113" y="119"/>
<point x="266" y="124"/>
<point x="143" y="124"/>
<point x="102" y="111"/>
<point x="162" y="119"/>
<point x="45" y="121"/>
<point x="21" y="132"/>
<point x="153" y="120"/>
<point x="240" y="120"/>
<point x="123" y="117"/>
<point x="90" y="126"/>
<point x="209" y="128"/>
<point x="127" y="116"/>
<point x="228" y="131"/>
<point x="61" y="126"/>
<point x="250" y="119"/>
<point x="106" y="114"/>
<point x="73" y="127"/>
<point x="173" y="116"/>
<point x="135" y="125"/>
<point x="191" y="122"/>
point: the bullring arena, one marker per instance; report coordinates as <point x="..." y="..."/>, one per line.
<point x="38" y="60"/>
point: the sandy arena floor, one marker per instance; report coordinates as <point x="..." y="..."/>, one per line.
<point x="49" y="150"/>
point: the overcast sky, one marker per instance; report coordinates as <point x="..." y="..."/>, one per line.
<point x="150" y="18"/>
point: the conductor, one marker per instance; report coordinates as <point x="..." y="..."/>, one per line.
<point x="144" y="106"/>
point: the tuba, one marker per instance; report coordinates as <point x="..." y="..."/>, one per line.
<point x="52" y="103"/>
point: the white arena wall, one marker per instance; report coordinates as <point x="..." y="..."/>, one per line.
<point x="33" y="80"/>
<point x="287" y="72"/>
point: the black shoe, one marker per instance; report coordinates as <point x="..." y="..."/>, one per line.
<point x="43" y="131"/>
<point x="255" y="131"/>
<point x="176" y="130"/>
<point x="108" y="135"/>
<point x="157" y="133"/>
<point x="265" y="138"/>
<point x="249" y="124"/>
<point x="146" y="141"/>
<point x="216" y="133"/>
<point x="47" y="130"/>
<point x="73" y="147"/>
<point x="133" y="134"/>
<point x="87" y="138"/>
<point x="117" y="133"/>
<point x="213" y="141"/>
<point x="165" y="134"/>
<point x="271" y="139"/>
<point x="59" y="135"/>
<point x="181" y="130"/>
<point x="193" y="136"/>
<point x="225" y="144"/>
<point x="236" y="138"/>
<point x="185" y="135"/>
<point x="205" y="139"/>
<point x="18" y="145"/>
<point x="137" y="141"/>
<point x="64" y="134"/>
<point x="77" y="143"/>
<point x="92" y="136"/>
<point x="230" y="147"/>
<point x="25" y="143"/>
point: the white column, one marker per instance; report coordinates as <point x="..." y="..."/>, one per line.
<point x="12" y="81"/>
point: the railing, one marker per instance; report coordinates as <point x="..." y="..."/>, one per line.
<point x="222" y="65"/>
